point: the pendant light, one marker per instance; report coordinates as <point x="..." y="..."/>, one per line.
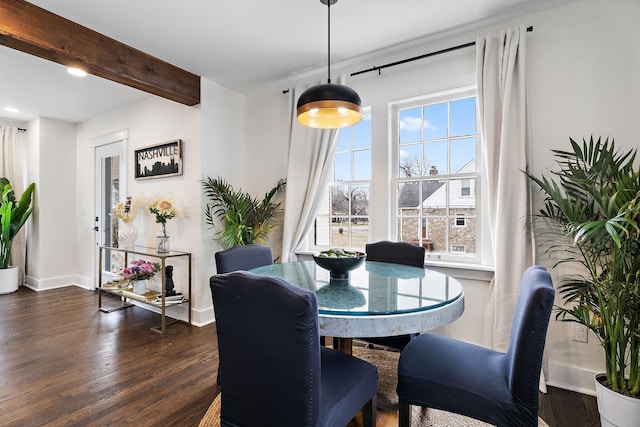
<point x="330" y="105"/>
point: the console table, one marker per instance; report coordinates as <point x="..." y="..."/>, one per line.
<point x="146" y="252"/>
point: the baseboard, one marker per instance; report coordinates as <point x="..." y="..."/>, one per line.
<point x="199" y="318"/>
<point x="571" y="378"/>
<point x="54" y="283"/>
<point x="203" y="317"/>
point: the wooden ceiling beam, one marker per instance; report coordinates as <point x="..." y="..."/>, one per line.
<point x="31" y="29"/>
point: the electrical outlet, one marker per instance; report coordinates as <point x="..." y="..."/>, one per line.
<point x="579" y="332"/>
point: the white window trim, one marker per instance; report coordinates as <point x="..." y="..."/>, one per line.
<point x="394" y="107"/>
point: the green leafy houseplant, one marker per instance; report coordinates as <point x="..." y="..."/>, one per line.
<point x="246" y="219"/>
<point x="13" y="215"/>
<point x="594" y="202"/>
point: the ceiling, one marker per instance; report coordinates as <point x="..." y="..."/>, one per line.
<point x="240" y="46"/>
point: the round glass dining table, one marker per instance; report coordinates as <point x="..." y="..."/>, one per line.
<point x="378" y="299"/>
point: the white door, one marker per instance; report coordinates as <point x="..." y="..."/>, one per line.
<point x="110" y="188"/>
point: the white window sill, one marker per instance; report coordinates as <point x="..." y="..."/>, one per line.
<point x="456" y="269"/>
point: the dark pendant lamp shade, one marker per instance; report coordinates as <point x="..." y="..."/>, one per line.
<point x="330" y="105"/>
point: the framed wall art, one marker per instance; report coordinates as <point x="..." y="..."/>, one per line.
<point x="159" y="160"/>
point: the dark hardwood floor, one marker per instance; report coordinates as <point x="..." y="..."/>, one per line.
<point x="63" y="363"/>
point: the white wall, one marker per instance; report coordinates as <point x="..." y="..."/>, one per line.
<point x="582" y="66"/>
<point x="148" y="122"/>
<point x="51" y="249"/>
<point x="223" y="153"/>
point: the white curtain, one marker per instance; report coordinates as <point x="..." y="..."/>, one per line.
<point x="12" y="167"/>
<point x="311" y="153"/>
<point x="502" y="117"/>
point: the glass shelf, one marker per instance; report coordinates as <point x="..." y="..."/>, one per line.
<point x="126" y="296"/>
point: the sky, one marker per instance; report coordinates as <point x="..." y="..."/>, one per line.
<point x="423" y="135"/>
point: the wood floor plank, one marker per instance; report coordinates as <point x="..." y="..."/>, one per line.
<point x="63" y="362"/>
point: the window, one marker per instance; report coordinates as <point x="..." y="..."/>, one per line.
<point x="343" y="218"/>
<point x="436" y="174"/>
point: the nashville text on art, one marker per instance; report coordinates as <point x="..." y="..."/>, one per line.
<point x="158" y="152"/>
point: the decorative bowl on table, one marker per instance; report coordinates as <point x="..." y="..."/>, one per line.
<point x="339" y="262"/>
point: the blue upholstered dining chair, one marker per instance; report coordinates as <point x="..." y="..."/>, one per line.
<point x="398" y="253"/>
<point x="275" y="371"/>
<point x="491" y="386"/>
<point x="243" y="258"/>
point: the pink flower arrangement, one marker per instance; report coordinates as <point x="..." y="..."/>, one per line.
<point x="140" y="270"/>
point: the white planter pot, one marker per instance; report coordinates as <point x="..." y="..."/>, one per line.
<point x="9" y="280"/>
<point x="616" y="410"/>
<point x="139" y="287"/>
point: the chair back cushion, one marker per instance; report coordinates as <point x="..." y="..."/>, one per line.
<point x="529" y="332"/>
<point x="396" y="252"/>
<point x="243" y="258"/>
<point x="269" y="345"/>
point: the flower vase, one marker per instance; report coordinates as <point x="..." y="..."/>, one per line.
<point x="139" y="287"/>
<point x="127" y="235"/>
<point x="162" y="241"/>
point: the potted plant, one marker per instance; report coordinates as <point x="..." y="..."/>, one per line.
<point x="246" y="219"/>
<point x="139" y="273"/>
<point x="13" y="215"/>
<point x="594" y="201"/>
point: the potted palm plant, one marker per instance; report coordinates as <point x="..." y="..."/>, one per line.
<point x="13" y="215"/>
<point x="594" y="202"/>
<point x="246" y="219"/>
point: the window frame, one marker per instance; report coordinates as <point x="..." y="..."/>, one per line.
<point x="395" y="179"/>
<point x="366" y="114"/>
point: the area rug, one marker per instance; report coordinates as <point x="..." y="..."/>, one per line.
<point x="387" y="363"/>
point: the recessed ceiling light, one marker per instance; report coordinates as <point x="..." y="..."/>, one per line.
<point x="11" y="110"/>
<point x="76" y="72"/>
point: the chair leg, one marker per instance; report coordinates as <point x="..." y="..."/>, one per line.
<point x="369" y="413"/>
<point x="404" y="414"/>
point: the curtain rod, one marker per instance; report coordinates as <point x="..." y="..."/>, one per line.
<point x="426" y="55"/>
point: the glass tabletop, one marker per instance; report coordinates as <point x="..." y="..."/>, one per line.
<point x="374" y="288"/>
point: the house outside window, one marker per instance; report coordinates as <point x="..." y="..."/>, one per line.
<point x="436" y="174"/>
<point x="343" y="218"/>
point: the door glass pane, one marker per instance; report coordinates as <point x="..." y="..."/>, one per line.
<point x="110" y="185"/>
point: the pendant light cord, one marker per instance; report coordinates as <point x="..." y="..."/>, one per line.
<point x="329" y="41"/>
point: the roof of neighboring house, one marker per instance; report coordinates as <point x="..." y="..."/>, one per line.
<point x="410" y="197"/>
